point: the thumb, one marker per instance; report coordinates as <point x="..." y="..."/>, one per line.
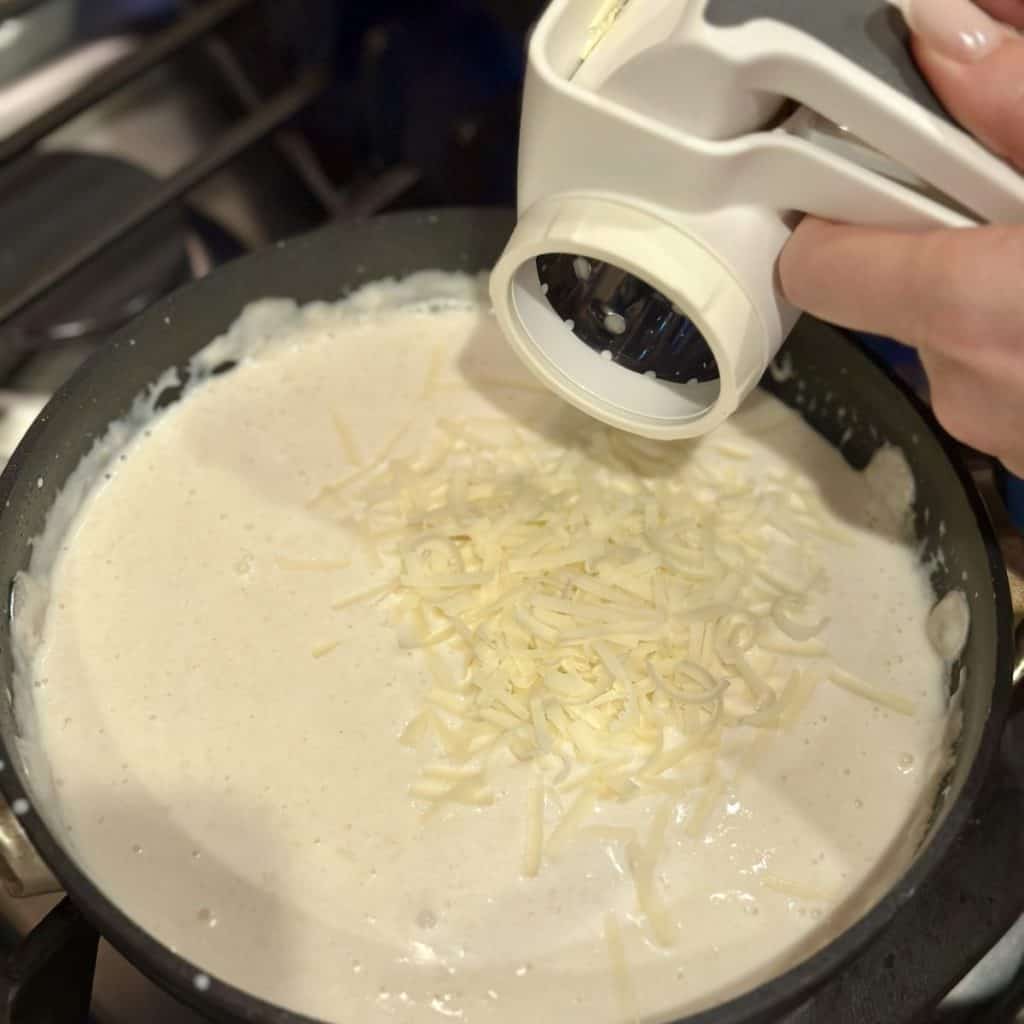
<point x="1009" y="11"/>
<point x="976" y="66"/>
<point x="987" y="98"/>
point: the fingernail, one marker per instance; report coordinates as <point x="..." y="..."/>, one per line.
<point x="960" y="29"/>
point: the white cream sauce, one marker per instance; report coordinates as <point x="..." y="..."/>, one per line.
<point x="247" y="802"/>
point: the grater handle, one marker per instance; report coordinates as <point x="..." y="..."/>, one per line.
<point x="850" y="62"/>
<point x="724" y="70"/>
<point x="871" y="33"/>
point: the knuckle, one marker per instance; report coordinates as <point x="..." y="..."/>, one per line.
<point x="972" y="279"/>
<point x="951" y="414"/>
<point x="957" y="415"/>
<point x="980" y="405"/>
<point x="939" y="315"/>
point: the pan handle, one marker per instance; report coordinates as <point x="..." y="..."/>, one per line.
<point x="49" y="975"/>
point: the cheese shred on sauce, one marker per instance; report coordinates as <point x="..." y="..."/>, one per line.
<point x="608" y="611"/>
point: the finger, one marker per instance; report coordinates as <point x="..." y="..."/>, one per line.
<point x="986" y="97"/>
<point x="960" y="29"/>
<point x="947" y="290"/>
<point x="971" y="402"/>
<point x="1011" y="12"/>
<point x="954" y="295"/>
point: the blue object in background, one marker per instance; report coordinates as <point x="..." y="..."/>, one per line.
<point x="95" y="18"/>
<point x="1013" y="491"/>
<point x="434" y="86"/>
<point x="901" y="359"/>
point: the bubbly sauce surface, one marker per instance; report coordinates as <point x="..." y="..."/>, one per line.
<point x="224" y="741"/>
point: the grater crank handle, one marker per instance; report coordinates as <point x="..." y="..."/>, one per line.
<point x="850" y="62"/>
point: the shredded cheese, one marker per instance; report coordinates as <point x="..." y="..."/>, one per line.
<point x="697" y="824"/>
<point x="430" y="383"/>
<point x="804" y="891"/>
<point x="892" y="701"/>
<point x="642" y="864"/>
<point x="322" y="650"/>
<point x="796" y="631"/>
<point x="534" y="828"/>
<point x="364" y="595"/>
<point x="620" y="969"/>
<point x="570" y="823"/>
<point x="312" y="564"/>
<point x="347" y="441"/>
<point x="603" y="609"/>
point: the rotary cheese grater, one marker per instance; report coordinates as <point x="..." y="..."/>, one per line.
<point x="669" y="148"/>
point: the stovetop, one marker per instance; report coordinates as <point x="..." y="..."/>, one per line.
<point x="421" y="110"/>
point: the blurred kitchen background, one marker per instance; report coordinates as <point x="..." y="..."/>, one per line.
<point x="397" y="104"/>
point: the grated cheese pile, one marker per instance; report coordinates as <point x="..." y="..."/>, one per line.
<point x="607" y="609"/>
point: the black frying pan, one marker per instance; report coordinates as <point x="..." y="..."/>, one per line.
<point x="950" y="890"/>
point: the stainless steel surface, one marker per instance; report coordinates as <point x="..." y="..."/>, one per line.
<point x="112" y="288"/>
<point x="17" y="8"/>
<point x="159" y="124"/>
<point x="23" y="870"/>
<point x="34" y="92"/>
<point x="234" y="141"/>
<point x="98" y="88"/>
<point x="32" y="31"/>
<point x="291" y="144"/>
<point x="990" y="977"/>
<point x="1018" y="672"/>
<point x="121" y="994"/>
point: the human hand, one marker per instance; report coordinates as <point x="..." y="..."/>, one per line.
<point x="955" y="295"/>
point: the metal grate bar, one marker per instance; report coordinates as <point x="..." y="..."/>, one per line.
<point x="291" y="144"/>
<point x="158" y="49"/>
<point x="237" y="139"/>
<point x="371" y="197"/>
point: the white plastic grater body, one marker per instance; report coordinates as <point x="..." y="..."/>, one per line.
<point x="674" y="152"/>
